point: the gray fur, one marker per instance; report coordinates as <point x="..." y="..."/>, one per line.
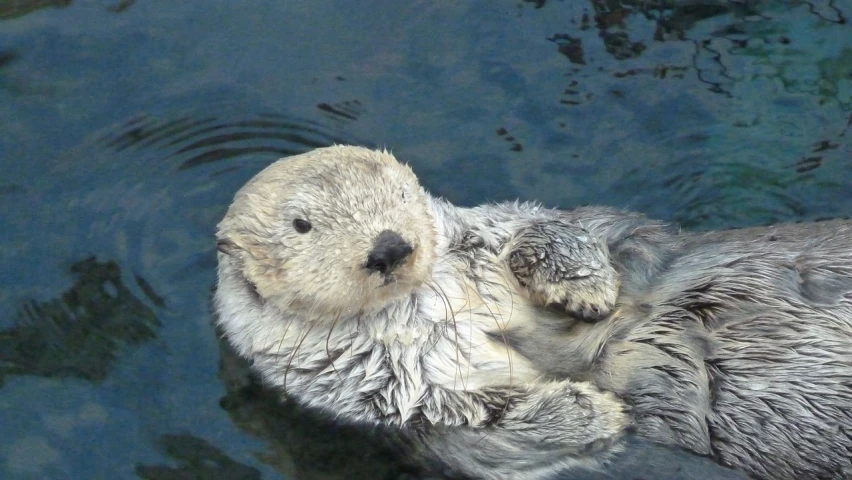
<point x="563" y="266"/>
<point x="734" y="344"/>
<point x="429" y="358"/>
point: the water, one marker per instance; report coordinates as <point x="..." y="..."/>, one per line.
<point x="128" y="125"/>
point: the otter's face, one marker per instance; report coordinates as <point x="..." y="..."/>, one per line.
<point x="335" y="231"/>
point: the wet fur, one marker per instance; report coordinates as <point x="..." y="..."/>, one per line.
<point x="426" y="353"/>
<point x="735" y="344"/>
<point x="562" y="266"/>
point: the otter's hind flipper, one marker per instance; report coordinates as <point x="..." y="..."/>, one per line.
<point x="564" y="266"/>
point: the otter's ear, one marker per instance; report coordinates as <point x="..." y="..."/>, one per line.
<point x="225" y="246"/>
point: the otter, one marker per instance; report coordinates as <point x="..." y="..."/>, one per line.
<point x="353" y="291"/>
<point x="492" y="334"/>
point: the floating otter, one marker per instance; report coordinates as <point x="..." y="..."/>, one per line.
<point x="357" y="293"/>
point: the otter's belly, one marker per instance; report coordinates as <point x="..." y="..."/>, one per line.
<point x="743" y="349"/>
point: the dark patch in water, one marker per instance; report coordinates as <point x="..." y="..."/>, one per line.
<point x="82" y="333"/>
<point x="573" y="95"/>
<point x="537" y="3"/>
<point x="824" y="145"/>
<point x="121" y="6"/>
<point x="15" y="9"/>
<point x="198" y="459"/>
<point x="19" y="8"/>
<point x="571" y="47"/>
<point x="827" y="11"/>
<point x="670" y="24"/>
<point x="348" y="110"/>
<point x="808" y="163"/>
<point x="619" y="45"/>
<point x="7" y="57"/>
<point x="149" y="292"/>
<point x="516" y="146"/>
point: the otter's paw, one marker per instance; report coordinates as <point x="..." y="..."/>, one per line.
<point x="563" y="266"/>
<point x="572" y="415"/>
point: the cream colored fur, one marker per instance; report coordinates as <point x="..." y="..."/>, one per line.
<point x="424" y="352"/>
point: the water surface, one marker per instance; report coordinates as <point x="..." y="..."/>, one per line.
<point x="128" y="125"/>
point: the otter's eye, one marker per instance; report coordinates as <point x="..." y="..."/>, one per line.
<point x="302" y="226"/>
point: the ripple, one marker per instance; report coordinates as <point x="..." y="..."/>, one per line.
<point x="344" y="111"/>
<point x="730" y="193"/>
<point x="194" y="140"/>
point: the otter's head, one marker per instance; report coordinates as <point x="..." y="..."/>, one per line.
<point x="335" y="231"/>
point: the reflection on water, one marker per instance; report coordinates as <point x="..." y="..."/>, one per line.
<point x="198" y="459"/>
<point x="126" y="135"/>
<point x="82" y="333"/>
<point x="303" y="444"/>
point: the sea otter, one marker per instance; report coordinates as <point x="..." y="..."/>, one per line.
<point x="497" y="326"/>
<point x="354" y="291"/>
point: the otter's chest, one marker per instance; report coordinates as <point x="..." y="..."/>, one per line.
<point x="475" y="302"/>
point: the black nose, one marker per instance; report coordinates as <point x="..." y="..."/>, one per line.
<point x="389" y="250"/>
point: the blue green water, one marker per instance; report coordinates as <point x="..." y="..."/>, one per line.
<point x="126" y="126"/>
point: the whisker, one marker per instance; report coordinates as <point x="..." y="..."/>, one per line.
<point x="509" y="355"/>
<point x="284" y="335"/>
<point x="352" y="336"/>
<point x="469" y="323"/>
<point x="446" y="314"/>
<point x="293" y="353"/>
<point x="456" y="342"/>
<point x="502" y="329"/>
<point x="328" y="349"/>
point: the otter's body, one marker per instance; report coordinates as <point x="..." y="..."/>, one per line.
<point x="735" y="344"/>
<point x="354" y="292"/>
